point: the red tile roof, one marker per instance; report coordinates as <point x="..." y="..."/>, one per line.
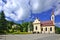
<point x="47" y="23"/>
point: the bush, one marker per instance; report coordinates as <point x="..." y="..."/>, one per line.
<point x="57" y="30"/>
<point x="2" y="32"/>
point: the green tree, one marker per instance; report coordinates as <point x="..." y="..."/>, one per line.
<point x="3" y="23"/>
<point x="9" y="25"/>
<point x="30" y="26"/>
<point x="21" y="27"/>
<point x="24" y="26"/>
<point x="57" y="30"/>
<point x="16" y="28"/>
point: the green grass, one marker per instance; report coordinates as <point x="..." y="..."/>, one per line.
<point x="20" y="33"/>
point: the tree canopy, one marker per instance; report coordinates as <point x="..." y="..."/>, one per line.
<point x="3" y="23"/>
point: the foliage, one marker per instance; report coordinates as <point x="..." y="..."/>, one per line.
<point x="57" y="30"/>
<point x="30" y="26"/>
<point x="3" y="23"/>
<point x="6" y="26"/>
<point x="24" y="26"/>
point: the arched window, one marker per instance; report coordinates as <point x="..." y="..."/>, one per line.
<point x="45" y="29"/>
<point x="50" y="28"/>
<point x="52" y="17"/>
<point x="36" y="27"/>
<point x="41" y="29"/>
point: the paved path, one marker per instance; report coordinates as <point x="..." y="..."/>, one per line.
<point x="31" y="37"/>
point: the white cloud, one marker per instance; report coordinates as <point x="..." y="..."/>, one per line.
<point x="39" y="6"/>
<point x="42" y="5"/>
<point x="20" y="10"/>
<point x="0" y="8"/>
<point x="36" y="6"/>
<point x="57" y="24"/>
<point x="57" y="12"/>
<point x="1" y="5"/>
<point x="17" y="10"/>
<point x="57" y="9"/>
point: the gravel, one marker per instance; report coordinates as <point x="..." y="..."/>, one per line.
<point x="31" y="37"/>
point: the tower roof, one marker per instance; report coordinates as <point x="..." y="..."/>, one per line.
<point x="52" y="12"/>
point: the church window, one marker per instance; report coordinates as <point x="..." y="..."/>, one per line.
<point x="45" y="29"/>
<point x="36" y="27"/>
<point x="41" y="29"/>
<point x="51" y="29"/>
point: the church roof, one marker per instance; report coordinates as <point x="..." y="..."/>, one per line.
<point x="47" y="23"/>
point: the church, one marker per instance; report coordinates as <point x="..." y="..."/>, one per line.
<point x="44" y="26"/>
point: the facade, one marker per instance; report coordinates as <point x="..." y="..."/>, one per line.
<point x="45" y="26"/>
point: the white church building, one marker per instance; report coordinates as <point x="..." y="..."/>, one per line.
<point x="44" y="26"/>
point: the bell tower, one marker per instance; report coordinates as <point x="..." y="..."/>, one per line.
<point x="53" y="16"/>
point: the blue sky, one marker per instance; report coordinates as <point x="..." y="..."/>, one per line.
<point x="46" y="16"/>
<point x="28" y="10"/>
